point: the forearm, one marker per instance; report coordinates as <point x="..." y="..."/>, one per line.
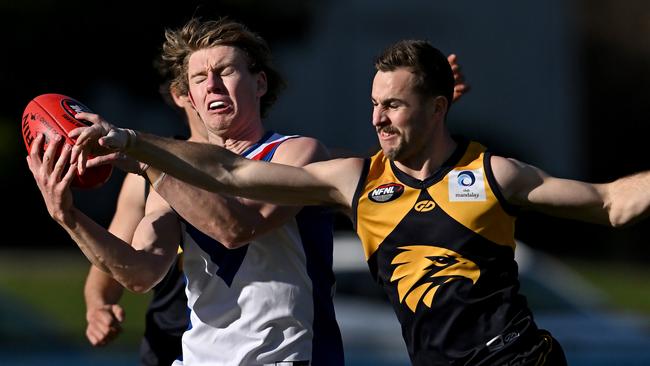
<point x="184" y="160"/>
<point x="131" y="268"/>
<point x="230" y="220"/>
<point x="216" y="169"/>
<point x="100" y="289"/>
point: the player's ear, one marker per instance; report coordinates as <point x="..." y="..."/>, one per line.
<point x="440" y="106"/>
<point x="189" y="95"/>
<point x="179" y="99"/>
<point x="262" y="85"/>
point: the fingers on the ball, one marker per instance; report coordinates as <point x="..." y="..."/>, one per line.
<point x="61" y="161"/>
<point x="69" y="175"/>
<point x="35" y="151"/>
<point x="50" y="151"/>
<point x="90" y="117"/>
<point x="82" y="161"/>
<point x="74" y="133"/>
<point x="74" y="155"/>
<point x="100" y="160"/>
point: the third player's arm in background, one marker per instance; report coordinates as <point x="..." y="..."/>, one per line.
<point x="101" y="292"/>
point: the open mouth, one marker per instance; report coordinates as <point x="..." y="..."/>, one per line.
<point x="217" y="105"/>
<point x="386" y="132"/>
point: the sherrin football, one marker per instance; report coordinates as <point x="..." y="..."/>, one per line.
<point x="53" y="114"/>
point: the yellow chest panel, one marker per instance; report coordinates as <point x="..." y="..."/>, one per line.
<point x="462" y="190"/>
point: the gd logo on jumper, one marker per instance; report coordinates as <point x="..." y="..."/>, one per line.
<point x="424" y="206"/>
<point x="422" y="269"/>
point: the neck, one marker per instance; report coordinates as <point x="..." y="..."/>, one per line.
<point x="426" y="162"/>
<point x="197" y="130"/>
<point x="239" y="140"/>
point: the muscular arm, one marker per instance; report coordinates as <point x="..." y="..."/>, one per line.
<point x="218" y="170"/>
<point x="235" y="221"/>
<point x="618" y="203"/>
<point x="137" y="266"/>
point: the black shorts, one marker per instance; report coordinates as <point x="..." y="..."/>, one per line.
<point x="160" y="350"/>
<point x="521" y="345"/>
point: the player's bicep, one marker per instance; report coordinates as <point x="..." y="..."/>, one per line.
<point x="529" y="187"/>
<point x="300" y="151"/>
<point x="338" y="178"/>
<point x="129" y="209"/>
<point x="158" y="235"/>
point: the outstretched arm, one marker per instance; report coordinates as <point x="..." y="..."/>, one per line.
<point x="236" y="221"/>
<point x="618" y="203"/>
<point x="218" y="170"/>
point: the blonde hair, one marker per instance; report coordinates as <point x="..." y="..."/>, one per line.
<point x="196" y="35"/>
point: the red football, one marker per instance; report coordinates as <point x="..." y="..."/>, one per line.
<point x="53" y="114"/>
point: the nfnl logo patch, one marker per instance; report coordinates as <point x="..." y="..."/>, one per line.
<point x="466" y="185"/>
<point x="386" y="192"/>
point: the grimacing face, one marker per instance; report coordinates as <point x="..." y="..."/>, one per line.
<point x="223" y="90"/>
<point x="400" y="114"/>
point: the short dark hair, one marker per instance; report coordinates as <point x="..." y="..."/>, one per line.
<point x="430" y="66"/>
<point x="197" y="35"/>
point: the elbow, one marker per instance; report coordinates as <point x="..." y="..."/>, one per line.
<point x="236" y="240"/>
<point x="138" y="284"/>
<point x="233" y="237"/>
<point x="624" y="216"/>
<point x="139" y="289"/>
<point x="618" y="222"/>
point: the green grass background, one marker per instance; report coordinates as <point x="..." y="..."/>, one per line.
<point x="42" y="296"/>
<point x="44" y="290"/>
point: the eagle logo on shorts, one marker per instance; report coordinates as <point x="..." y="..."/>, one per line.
<point x="422" y="269"/>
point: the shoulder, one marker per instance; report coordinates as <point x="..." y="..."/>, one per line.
<point x="133" y="181"/>
<point x="515" y="178"/>
<point x="133" y="188"/>
<point x="300" y="151"/>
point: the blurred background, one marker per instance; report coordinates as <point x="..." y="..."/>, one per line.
<point x="561" y="84"/>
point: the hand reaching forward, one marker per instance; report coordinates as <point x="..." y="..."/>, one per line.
<point x="99" y="140"/>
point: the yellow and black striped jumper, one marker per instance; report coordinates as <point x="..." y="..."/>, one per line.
<point x="443" y="251"/>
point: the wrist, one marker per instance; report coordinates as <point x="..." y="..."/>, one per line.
<point x="64" y="217"/>
<point x="156" y="184"/>
<point x="131" y="137"/>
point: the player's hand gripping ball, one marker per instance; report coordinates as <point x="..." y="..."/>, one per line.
<point x="53" y="114"/>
